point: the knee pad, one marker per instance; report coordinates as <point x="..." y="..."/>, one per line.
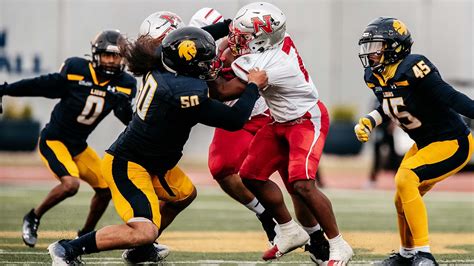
<point x="406" y="179"/>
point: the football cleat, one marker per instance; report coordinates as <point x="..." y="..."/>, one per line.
<point x="285" y="243"/>
<point x="146" y="253"/>
<point x="395" y="259"/>
<point x="318" y="247"/>
<point x="30" y="228"/>
<point x="60" y="255"/>
<point x="424" y="259"/>
<point x="268" y="225"/>
<point x="340" y="254"/>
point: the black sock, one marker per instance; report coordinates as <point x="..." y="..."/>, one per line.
<point x="85" y="244"/>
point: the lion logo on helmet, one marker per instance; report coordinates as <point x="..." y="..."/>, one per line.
<point x="400" y="27"/>
<point x="187" y="49"/>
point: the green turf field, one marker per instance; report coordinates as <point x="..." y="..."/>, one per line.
<point x="217" y="231"/>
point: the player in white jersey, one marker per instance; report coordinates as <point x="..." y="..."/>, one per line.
<point x="293" y="143"/>
<point x="228" y="149"/>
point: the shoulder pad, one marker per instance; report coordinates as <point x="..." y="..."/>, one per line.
<point x="127" y="84"/>
<point x="75" y="68"/>
<point x="182" y="91"/>
<point x="415" y="67"/>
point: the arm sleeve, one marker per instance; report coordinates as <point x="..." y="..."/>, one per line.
<point x="49" y="86"/>
<point x="218" y="30"/>
<point x="216" y="114"/>
<point x="447" y="95"/>
<point x="123" y="109"/>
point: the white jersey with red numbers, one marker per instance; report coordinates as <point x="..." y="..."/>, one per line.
<point x="291" y="92"/>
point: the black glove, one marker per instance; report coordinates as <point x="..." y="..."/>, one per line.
<point x="123" y="108"/>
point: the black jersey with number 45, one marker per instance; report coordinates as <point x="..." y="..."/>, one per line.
<point x="85" y="100"/>
<point x="412" y="94"/>
<point x="167" y="107"/>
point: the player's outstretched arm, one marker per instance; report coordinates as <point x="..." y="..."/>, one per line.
<point x="449" y="96"/>
<point x="49" y="86"/>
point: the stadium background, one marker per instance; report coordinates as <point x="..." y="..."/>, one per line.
<point x="37" y="35"/>
<point x="325" y="32"/>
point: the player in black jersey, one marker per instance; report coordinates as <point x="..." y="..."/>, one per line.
<point x="88" y="92"/>
<point x="412" y="93"/>
<point x="141" y="166"/>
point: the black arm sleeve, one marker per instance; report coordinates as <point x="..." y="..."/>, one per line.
<point x="218" y="30"/>
<point x="216" y="114"/>
<point x="446" y="94"/>
<point x="123" y="109"/>
<point x="49" y="86"/>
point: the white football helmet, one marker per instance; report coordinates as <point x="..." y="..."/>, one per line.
<point x="257" y="27"/>
<point x="205" y="16"/>
<point x="159" y="24"/>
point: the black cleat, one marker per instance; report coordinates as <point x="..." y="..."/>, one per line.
<point x="424" y="259"/>
<point x="82" y="232"/>
<point x="395" y="259"/>
<point x="268" y="225"/>
<point x="60" y="253"/>
<point x="318" y="247"/>
<point x="147" y="253"/>
<point x="30" y="228"/>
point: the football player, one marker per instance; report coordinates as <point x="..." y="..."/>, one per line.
<point x="229" y="148"/>
<point x="89" y="91"/>
<point x="412" y="93"/>
<point x="141" y="166"/>
<point x="292" y="144"/>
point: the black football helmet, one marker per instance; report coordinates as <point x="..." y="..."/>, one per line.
<point x="386" y="37"/>
<point x="106" y="42"/>
<point x="191" y="51"/>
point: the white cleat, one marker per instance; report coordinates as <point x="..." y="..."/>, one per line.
<point x="285" y="243"/>
<point x="340" y="253"/>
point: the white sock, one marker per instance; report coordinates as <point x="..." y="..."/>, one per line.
<point x="289" y="227"/>
<point x="312" y="229"/>
<point x="255" y="206"/>
<point x="336" y="240"/>
<point x="407" y="252"/>
<point x="423" y="248"/>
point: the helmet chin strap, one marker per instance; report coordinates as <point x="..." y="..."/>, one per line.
<point x="167" y="67"/>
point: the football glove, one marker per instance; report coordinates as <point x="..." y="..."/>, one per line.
<point x="363" y="129"/>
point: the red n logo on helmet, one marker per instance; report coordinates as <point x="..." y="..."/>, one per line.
<point x="169" y="18"/>
<point x="265" y="26"/>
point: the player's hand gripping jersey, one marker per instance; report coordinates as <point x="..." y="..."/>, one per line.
<point x="84" y="100"/>
<point x="291" y="92"/>
<point x="413" y="94"/>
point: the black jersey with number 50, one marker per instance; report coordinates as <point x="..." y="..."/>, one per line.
<point x="167" y="107"/>
<point x="410" y="93"/>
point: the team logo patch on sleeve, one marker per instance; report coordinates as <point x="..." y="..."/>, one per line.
<point x="187" y="49"/>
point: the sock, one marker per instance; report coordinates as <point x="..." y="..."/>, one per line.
<point x="422" y="249"/>
<point x="312" y="229"/>
<point x="289" y="227"/>
<point x="335" y="241"/>
<point x="255" y="206"/>
<point x="85" y="244"/>
<point x="407" y="252"/>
